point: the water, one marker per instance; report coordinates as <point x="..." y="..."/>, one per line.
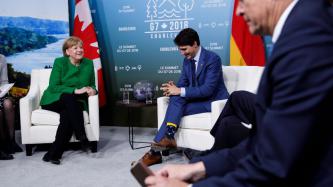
<point x="39" y="58"/>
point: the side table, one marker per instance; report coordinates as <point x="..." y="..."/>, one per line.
<point x="131" y="106"/>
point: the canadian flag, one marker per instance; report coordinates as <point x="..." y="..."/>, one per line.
<point x="84" y="29"/>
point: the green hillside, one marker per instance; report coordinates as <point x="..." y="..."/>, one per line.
<point x="14" y="40"/>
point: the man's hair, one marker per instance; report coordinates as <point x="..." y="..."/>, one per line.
<point x="70" y="42"/>
<point x="187" y="37"/>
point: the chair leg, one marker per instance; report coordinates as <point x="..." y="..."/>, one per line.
<point x="93" y="146"/>
<point x="28" y="149"/>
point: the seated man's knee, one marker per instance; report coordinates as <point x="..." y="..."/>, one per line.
<point x="237" y="94"/>
<point x="237" y="97"/>
<point x="176" y="99"/>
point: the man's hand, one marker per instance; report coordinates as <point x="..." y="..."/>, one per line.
<point x="170" y="89"/>
<point x="160" y="181"/>
<point x="184" y="172"/>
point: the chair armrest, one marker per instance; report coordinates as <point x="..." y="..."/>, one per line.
<point x="94" y="114"/>
<point x="28" y="104"/>
<point x="217" y="107"/>
<point x="162" y="106"/>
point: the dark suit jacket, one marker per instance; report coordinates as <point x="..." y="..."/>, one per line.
<point x="292" y="144"/>
<point x="209" y="84"/>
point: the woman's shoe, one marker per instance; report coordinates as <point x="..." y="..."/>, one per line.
<point x="47" y="158"/>
<point x="85" y="145"/>
<point x="5" y="156"/>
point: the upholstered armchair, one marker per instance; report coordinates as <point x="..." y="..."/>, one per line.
<point x="194" y="130"/>
<point x="39" y="126"/>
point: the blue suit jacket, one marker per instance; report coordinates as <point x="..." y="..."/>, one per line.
<point x="209" y="85"/>
<point x="292" y="144"/>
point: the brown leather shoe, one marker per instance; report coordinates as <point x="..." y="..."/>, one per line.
<point x="164" y="144"/>
<point x="152" y="158"/>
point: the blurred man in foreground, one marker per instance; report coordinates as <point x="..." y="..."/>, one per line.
<point x="292" y="144"/>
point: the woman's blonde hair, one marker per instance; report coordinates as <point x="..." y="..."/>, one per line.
<point x="70" y="42"/>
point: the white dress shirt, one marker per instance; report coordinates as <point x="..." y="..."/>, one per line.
<point x="196" y="59"/>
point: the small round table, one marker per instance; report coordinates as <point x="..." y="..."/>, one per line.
<point x="131" y="106"/>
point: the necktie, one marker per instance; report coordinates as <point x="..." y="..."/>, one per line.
<point x="193" y="71"/>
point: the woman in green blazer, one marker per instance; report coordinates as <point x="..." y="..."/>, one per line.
<point x="72" y="80"/>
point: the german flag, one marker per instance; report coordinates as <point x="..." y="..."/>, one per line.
<point x="245" y="48"/>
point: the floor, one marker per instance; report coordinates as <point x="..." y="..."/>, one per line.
<point x="110" y="166"/>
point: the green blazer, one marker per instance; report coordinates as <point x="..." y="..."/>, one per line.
<point x="66" y="77"/>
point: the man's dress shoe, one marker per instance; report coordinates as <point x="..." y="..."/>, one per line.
<point x="151" y="158"/>
<point x="164" y="144"/>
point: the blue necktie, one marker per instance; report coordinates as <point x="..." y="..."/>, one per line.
<point x="193" y="72"/>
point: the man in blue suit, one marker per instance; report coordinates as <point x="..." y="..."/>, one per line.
<point x="200" y="83"/>
<point x="292" y="144"/>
